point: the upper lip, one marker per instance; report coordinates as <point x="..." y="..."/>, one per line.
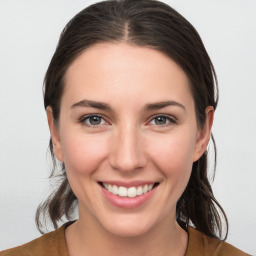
<point x="134" y="183"/>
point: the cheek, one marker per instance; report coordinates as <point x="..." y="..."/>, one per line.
<point x="173" y="155"/>
<point x="83" y="153"/>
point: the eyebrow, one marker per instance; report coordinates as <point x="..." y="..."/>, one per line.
<point x="106" y="107"/>
<point x="163" y="104"/>
<point x="93" y="104"/>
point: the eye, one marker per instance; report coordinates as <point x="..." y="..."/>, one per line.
<point x="93" y="120"/>
<point x="162" y="120"/>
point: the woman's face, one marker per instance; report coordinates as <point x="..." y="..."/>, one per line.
<point x="127" y="123"/>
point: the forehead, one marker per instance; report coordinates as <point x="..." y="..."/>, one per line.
<point x="120" y="70"/>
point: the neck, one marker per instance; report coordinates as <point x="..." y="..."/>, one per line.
<point x="85" y="238"/>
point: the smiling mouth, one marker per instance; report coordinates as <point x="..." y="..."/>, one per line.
<point x="130" y="191"/>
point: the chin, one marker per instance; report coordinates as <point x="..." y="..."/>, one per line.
<point x="129" y="226"/>
<point x="129" y="230"/>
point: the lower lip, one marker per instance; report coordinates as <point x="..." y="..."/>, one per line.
<point x="127" y="202"/>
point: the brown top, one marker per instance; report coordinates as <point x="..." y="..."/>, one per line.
<point x="54" y="244"/>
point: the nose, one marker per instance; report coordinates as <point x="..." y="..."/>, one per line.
<point x="127" y="150"/>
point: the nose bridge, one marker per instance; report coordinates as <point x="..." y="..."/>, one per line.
<point x="127" y="153"/>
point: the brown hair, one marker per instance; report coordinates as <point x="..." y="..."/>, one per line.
<point x="151" y="24"/>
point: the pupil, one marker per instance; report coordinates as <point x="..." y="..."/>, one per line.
<point x="160" y="120"/>
<point x="95" y="120"/>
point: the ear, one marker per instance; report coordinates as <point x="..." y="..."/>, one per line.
<point x="204" y="134"/>
<point x="54" y="135"/>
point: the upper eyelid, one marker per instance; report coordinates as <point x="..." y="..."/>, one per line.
<point x="90" y="115"/>
<point x="84" y="117"/>
<point x="164" y="115"/>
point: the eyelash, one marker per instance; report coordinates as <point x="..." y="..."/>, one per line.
<point x="170" y="120"/>
<point x="87" y="117"/>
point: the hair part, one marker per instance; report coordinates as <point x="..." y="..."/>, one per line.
<point x="151" y="24"/>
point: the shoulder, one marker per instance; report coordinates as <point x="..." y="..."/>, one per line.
<point x="204" y="245"/>
<point x="52" y="243"/>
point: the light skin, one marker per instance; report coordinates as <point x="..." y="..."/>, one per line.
<point x="142" y="127"/>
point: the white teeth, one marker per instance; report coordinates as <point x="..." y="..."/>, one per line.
<point x="150" y="187"/>
<point x="122" y="191"/>
<point x="139" y="191"/>
<point x="131" y="192"/>
<point x="128" y="192"/>
<point x="145" y="189"/>
<point x="115" y="190"/>
<point x="109" y="188"/>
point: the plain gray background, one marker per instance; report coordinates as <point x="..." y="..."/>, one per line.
<point x="29" y="31"/>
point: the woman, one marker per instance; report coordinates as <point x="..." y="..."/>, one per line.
<point x="130" y="96"/>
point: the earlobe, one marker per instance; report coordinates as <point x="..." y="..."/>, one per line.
<point x="54" y="135"/>
<point x="204" y="134"/>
